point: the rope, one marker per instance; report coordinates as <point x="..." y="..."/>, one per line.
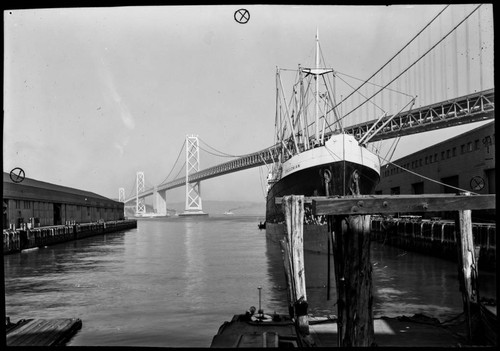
<point x="427" y="178"/>
<point x="364" y="96"/>
<point x="377" y="85"/>
<point x="261" y="183"/>
<point x="393" y="147"/>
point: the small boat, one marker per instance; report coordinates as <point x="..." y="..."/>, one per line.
<point x="254" y="330"/>
<point x="262" y="225"/>
<point x="229" y="212"/>
<point x="257" y="330"/>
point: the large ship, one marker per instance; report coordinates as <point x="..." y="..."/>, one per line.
<point x="316" y="158"/>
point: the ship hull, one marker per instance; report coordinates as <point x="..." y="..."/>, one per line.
<point x="340" y="167"/>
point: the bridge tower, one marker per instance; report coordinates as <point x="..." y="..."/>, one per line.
<point x="121" y="195"/>
<point x="193" y="192"/>
<point x="140" y="203"/>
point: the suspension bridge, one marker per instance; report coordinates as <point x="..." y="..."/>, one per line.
<point x="444" y="70"/>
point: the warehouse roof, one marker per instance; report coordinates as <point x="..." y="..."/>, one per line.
<point x="36" y="190"/>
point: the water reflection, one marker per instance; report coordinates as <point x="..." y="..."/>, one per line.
<point x="404" y="283"/>
<point x="173" y="282"/>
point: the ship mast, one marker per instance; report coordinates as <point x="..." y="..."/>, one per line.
<point x="317" y="87"/>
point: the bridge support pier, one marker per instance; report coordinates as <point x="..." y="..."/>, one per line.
<point x="193" y="193"/>
<point x="160" y="203"/>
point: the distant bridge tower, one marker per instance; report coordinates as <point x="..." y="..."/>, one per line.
<point x="121" y="195"/>
<point x="140" y="204"/>
<point x="193" y="193"/>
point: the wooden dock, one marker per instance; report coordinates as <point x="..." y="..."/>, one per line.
<point x="348" y="219"/>
<point x="41" y="332"/>
<point x="16" y="240"/>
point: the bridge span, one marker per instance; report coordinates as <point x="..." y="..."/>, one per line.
<point x="466" y="109"/>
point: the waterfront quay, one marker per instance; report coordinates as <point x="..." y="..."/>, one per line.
<point x="436" y="236"/>
<point x="349" y="223"/>
<point x="16" y="240"/>
<point x="37" y="214"/>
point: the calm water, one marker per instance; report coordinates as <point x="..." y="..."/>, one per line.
<point x="172" y="282"/>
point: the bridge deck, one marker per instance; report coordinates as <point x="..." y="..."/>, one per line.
<point x="466" y="109"/>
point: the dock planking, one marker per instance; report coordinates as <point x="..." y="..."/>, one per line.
<point x="42" y="332"/>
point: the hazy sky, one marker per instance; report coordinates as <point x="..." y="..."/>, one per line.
<point x="92" y="95"/>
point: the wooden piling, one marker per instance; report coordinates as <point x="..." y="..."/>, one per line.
<point x="352" y="247"/>
<point x="467" y="266"/>
<point x="287" y="264"/>
<point x="294" y="215"/>
<point x="353" y="274"/>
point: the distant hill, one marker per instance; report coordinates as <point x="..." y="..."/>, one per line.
<point x="216" y="207"/>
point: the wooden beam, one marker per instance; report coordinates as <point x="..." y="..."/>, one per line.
<point x="374" y="204"/>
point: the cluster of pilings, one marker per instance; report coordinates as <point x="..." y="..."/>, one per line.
<point x="434" y="237"/>
<point x="16" y="240"/>
<point x="349" y="223"/>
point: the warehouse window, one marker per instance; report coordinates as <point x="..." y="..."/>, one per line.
<point x="18" y="203"/>
<point x="417" y="188"/>
<point x="27" y="205"/>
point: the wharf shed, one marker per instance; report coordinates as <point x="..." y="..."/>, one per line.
<point x="44" y="204"/>
<point x="466" y="161"/>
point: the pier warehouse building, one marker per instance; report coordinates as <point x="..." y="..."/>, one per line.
<point x="466" y="161"/>
<point x="44" y="204"/>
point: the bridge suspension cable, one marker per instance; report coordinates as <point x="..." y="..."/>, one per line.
<point x="392" y="58"/>
<point x="180" y="170"/>
<point x="221" y="154"/>
<point x="175" y="163"/>
<point x="414" y="63"/>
